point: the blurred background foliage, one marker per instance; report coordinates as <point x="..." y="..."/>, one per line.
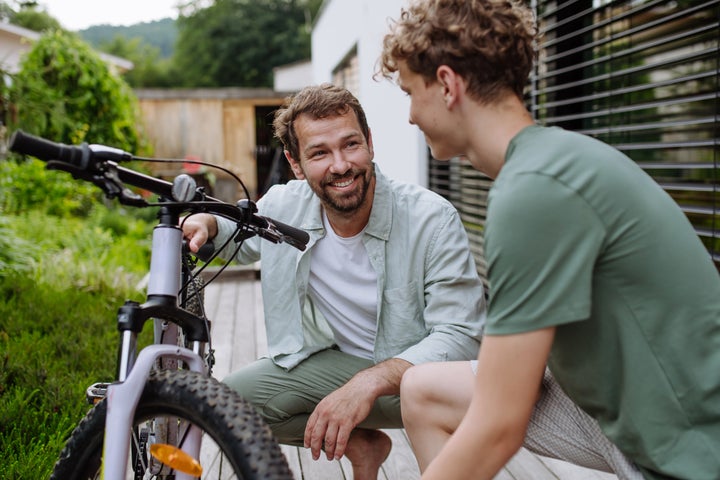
<point x="68" y="257"/>
<point x="216" y="43"/>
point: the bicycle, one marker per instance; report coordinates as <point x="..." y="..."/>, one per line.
<point x="165" y="416"/>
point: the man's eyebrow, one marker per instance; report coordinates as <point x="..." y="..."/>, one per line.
<point x="313" y="147"/>
<point x="344" y="138"/>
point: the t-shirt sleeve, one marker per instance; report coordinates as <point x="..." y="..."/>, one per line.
<point x="541" y="242"/>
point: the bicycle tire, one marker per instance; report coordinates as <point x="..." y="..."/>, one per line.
<point x="196" y="296"/>
<point x="239" y="432"/>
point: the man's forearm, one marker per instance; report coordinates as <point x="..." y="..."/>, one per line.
<point x="383" y="378"/>
<point x="459" y="457"/>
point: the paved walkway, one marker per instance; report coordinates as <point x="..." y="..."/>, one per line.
<point x="234" y="304"/>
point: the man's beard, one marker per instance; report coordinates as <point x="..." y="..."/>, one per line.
<point x="344" y="203"/>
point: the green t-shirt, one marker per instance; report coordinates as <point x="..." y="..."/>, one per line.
<point x="579" y="237"/>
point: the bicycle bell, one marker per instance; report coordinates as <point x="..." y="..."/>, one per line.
<point x="183" y="188"/>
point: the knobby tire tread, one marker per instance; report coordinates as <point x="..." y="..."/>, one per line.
<point x="216" y="408"/>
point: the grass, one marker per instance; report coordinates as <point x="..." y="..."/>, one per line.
<point x="62" y="279"/>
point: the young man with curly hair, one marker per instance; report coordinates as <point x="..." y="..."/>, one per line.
<point x="593" y="271"/>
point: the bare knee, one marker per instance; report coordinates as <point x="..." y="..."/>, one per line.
<point x="416" y="392"/>
<point x="436" y="394"/>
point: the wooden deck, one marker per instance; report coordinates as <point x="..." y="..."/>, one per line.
<point x="233" y="303"/>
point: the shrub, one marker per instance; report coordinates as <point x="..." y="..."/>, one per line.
<point x="57" y="324"/>
<point x="65" y="92"/>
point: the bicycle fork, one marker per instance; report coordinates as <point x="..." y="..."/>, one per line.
<point x="122" y="400"/>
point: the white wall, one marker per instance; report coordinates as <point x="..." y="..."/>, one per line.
<point x="14" y="42"/>
<point x="400" y="148"/>
<point x="292" y="77"/>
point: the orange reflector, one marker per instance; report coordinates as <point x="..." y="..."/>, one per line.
<point x="176" y="459"/>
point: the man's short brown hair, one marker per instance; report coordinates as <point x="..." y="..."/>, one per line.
<point x="490" y="43"/>
<point x="318" y="101"/>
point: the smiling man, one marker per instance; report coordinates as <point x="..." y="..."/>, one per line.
<point x="387" y="281"/>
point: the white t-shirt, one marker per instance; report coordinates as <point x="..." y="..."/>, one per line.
<point x="343" y="286"/>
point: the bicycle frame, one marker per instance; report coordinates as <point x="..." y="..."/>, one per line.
<point x="122" y="397"/>
<point x="96" y="164"/>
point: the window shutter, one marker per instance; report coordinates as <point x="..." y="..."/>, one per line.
<point x="641" y="75"/>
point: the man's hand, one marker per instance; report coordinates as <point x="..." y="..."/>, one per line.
<point x="339" y="413"/>
<point x="197" y="229"/>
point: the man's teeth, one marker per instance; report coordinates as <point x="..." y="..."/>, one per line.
<point x="343" y="184"/>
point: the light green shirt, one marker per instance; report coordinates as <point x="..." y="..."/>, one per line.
<point x="430" y="297"/>
<point x="579" y="237"/>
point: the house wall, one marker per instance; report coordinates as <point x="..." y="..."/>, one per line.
<point x="12" y="46"/>
<point x="400" y="149"/>
<point x="293" y="77"/>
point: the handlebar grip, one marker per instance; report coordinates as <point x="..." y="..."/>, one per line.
<point x="300" y="237"/>
<point x="206" y="251"/>
<point x="46" y="150"/>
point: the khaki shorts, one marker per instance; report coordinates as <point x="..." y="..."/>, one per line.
<point x="560" y="429"/>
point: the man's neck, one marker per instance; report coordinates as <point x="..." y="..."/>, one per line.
<point x="492" y="127"/>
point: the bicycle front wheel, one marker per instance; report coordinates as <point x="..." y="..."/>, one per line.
<point x="236" y="443"/>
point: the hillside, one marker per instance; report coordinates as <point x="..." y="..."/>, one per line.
<point x="160" y="33"/>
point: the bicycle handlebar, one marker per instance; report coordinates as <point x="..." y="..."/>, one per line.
<point x="93" y="161"/>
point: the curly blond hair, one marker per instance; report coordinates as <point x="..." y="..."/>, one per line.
<point x="490" y="43"/>
<point x="317" y="101"/>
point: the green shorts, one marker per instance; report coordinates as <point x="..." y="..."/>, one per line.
<point x="286" y="398"/>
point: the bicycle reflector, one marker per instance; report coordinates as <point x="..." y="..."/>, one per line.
<point x="176" y="459"/>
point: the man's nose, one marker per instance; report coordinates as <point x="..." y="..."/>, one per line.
<point x="340" y="163"/>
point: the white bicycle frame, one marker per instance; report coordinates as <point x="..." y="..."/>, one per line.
<point x="123" y="396"/>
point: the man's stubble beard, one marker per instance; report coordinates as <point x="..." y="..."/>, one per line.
<point x="350" y="203"/>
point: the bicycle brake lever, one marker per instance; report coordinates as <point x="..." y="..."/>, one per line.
<point x="115" y="188"/>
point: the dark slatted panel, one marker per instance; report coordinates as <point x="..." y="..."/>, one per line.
<point x="641" y="75"/>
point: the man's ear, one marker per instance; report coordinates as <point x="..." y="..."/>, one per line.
<point x="295" y="166"/>
<point x="452" y="85"/>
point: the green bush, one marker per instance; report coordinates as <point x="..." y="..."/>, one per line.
<point x="65" y="92"/>
<point x="27" y="184"/>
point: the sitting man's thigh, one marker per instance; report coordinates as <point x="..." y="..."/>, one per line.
<point x="279" y="394"/>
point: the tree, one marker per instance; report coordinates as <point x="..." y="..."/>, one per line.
<point x="66" y="93"/>
<point x="159" y="33"/>
<point x="239" y="42"/>
<point x="150" y="70"/>
<point x="36" y="20"/>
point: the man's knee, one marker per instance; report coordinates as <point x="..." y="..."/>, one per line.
<point x="413" y="387"/>
<point x="284" y="410"/>
<point x="246" y="380"/>
<point x="265" y="386"/>
<point x="412" y="395"/>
